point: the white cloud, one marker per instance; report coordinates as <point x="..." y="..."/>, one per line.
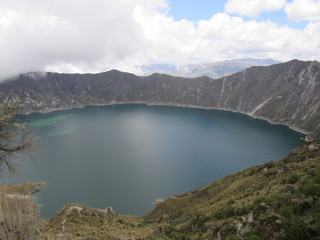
<point x="91" y="34"/>
<point x="299" y="10"/>
<point x="253" y="7"/>
<point x="97" y="35"/>
<point x="225" y="37"/>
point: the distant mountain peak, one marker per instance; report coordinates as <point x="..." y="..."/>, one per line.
<point x="213" y="70"/>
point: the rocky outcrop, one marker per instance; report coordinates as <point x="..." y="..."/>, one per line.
<point x="286" y="93"/>
<point x="77" y="221"/>
<point x="27" y="188"/>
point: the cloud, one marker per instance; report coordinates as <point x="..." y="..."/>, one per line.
<point x="79" y="34"/>
<point x="253" y="7"/>
<point x="97" y="35"/>
<point x="225" y="37"/>
<point x="300" y="10"/>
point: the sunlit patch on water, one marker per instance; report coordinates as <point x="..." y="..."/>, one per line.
<point x="52" y="120"/>
<point x="64" y="132"/>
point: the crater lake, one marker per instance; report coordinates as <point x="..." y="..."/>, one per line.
<point x="127" y="156"/>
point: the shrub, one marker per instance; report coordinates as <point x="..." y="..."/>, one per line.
<point x="292" y="178"/>
<point x="275" y="200"/>
<point x="224" y="213"/>
<point x="232" y="237"/>
<point x="252" y="236"/>
<point x="296" y="229"/>
<point x="311" y="188"/>
<point x="243" y="210"/>
<point x="286" y="211"/>
<point x="180" y="236"/>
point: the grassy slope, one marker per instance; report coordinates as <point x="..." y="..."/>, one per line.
<point x="81" y="222"/>
<point x="26" y="188"/>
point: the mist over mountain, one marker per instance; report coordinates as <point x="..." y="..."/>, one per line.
<point x="213" y="70"/>
<point x="286" y="93"/>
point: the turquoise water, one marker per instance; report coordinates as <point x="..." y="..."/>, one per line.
<point x="126" y="156"/>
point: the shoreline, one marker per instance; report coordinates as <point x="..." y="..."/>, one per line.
<point x="172" y="104"/>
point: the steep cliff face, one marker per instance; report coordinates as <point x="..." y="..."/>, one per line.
<point x="286" y="93"/>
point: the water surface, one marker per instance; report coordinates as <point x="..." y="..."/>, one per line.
<point x="126" y="156"/>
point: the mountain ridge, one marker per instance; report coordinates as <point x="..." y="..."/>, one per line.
<point x="286" y="93"/>
<point x="213" y="70"/>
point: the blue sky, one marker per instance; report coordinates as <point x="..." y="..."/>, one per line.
<point x="196" y="10"/>
<point x="97" y="35"/>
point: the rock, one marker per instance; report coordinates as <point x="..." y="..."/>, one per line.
<point x="250" y="217"/>
<point x="242" y="229"/>
<point x="312" y="147"/>
<point x="295" y="201"/>
<point x="219" y="235"/>
<point x="157" y="202"/>
<point x="108" y="211"/>
<point x="78" y="209"/>
<point x="280" y="171"/>
<point x="239" y="227"/>
<point x="38" y="186"/>
<point x="279" y="222"/>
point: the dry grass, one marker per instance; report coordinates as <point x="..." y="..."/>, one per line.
<point x="80" y="222"/>
<point x="19" y="217"/>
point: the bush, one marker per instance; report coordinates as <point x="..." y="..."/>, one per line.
<point x="232" y="237"/>
<point x="296" y="229"/>
<point x="242" y="210"/>
<point x="312" y="189"/>
<point x="316" y="178"/>
<point x="286" y="211"/>
<point x="292" y="178"/>
<point x="201" y="221"/>
<point x="276" y="200"/>
<point x="252" y="235"/>
<point x="180" y="236"/>
<point x="224" y="213"/>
